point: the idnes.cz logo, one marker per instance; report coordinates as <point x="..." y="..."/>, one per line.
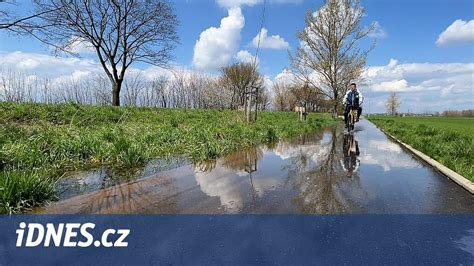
<point x="68" y="235"/>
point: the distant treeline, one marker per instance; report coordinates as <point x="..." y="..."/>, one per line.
<point x="176" y="89"/>
<point x="464" y="113"/>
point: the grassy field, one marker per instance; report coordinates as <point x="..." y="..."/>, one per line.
<point x="449" y="140"/>
<point x="39" y="143"/>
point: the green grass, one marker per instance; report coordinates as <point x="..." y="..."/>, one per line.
<point x="39" y="142"/>
<point x="449" y="140"/>
<point x="22" y="190"/>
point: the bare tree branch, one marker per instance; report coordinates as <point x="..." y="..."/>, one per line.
<point x="329" y="58"/>
<point x="122" y="32"/>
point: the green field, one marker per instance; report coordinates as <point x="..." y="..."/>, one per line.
<point x="449" y="140"/>
<point x="39" y="143"/>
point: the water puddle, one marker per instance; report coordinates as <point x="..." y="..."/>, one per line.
<point x="324" y="172"/>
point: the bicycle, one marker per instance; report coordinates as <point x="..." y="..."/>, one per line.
<point x="351" y="118"/>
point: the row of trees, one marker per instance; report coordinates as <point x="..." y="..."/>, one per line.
<point x="121" y="32"/>
<point x="289" y="95"/>
<point x="124" y="32"/>
<point x="463" y="113"/>
<point x="330" y="57"/>
<point x="178" y="89"/>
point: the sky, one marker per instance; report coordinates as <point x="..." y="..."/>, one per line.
<point x="424" y="48"/>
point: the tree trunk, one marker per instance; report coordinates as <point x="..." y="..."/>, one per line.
<point x="116" y="87"/>
<point x="334" y="114"/>
<point x="249" y="107"/>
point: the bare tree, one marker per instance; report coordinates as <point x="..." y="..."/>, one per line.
<point x="216" y="96"/>
<point x="101" y="90"/>
<point x="134" y="87"/>
<point x="121" y="32"/>
<point x="393" y="103"/>
<point x="160" y="89"/>
<point x="329" y="58"/>
<point x="288" y="95"/>
<point x="9" y="20"/>
<point x="244" y="82"/>
<point x="280" y="96"/>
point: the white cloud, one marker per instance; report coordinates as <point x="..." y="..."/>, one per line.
<point x="245" y="56"/>
<point x="420" y="76"/>
<point x="286" y="76"/>
<point x="46" y="65"/>
<point x="459" y="32"/>
<point x="286" y="1"/>
<point x="81" y="47"/>
<point x="216" y="46"/>
<point x="28" y="64"/>
<point x="75" y="76"/>
<point x="270" y="42"/>
<point x="393" y="85"/>
<point x="423" y="86"/>
<point x="395" y="158"/>
<point x="378" y="32"/>
<point x="268" y="83"/>
<point x="239" y="3"/>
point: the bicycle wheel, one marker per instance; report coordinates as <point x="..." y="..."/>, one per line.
<point x="352" y="120"/>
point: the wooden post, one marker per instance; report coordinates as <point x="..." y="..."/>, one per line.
<point x="249" y="107"/>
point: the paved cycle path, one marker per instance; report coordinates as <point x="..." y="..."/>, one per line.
<point x="324" y="172"/>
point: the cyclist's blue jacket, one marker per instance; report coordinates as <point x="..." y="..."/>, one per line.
<point x="353" y="98"/>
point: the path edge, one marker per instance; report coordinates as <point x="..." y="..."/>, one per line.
<point x="459" y="179"/>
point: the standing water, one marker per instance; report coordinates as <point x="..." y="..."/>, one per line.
<point x="324" y="172"/>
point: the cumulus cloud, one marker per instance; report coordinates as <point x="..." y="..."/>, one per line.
<point x="460" y="32"/>
<point x="395" y="157"/>
<point x="46" y="65"/>
<point x="423" y="86"/>
<point x="286" y="1"/>
<point x="28" y="63"/>
<point x="378" y="32"/>
<point x="81" y="47"/>
<point x="270" y="42"/>
<point x="60" y="69"/>
<point x="419" y="76"/>
<point x="393" y="85"/>
<point x="216" y="46"/>
<point x="229" y="186"/>
<point x="239" y="3"/>
<point x="245" y="56"/>
<point x="286" y="76"/>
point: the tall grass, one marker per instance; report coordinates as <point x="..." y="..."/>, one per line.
<point x="53" y="139"/>
<point x="22" y="190"/>
<point x="452" y="146"/>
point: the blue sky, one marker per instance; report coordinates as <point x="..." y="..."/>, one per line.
<point x="407" y="59"/>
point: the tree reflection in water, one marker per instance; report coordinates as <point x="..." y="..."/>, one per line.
<point x="325" y="188"/>
<point x="303" y="175"/>
<point x="229" y="177"/>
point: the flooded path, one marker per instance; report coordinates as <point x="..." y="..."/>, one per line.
<point x="325" y="172"/>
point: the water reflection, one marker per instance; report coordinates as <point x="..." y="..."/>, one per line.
<point x="324" y="172"/>
<point x="234" y="179"/>
<point x="82" y="182"/>
<point x="325" y="188"/>
<point x="350" y="151"/>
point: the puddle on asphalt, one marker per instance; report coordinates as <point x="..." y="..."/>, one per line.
<point x="324" y="172"/>
<point x="82" y="182"/>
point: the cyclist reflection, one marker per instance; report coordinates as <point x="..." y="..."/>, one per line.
<point x="350" y="162"/>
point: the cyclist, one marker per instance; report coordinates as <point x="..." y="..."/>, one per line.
<point x="353" y="98"/>
<point x="350" y="162"/>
